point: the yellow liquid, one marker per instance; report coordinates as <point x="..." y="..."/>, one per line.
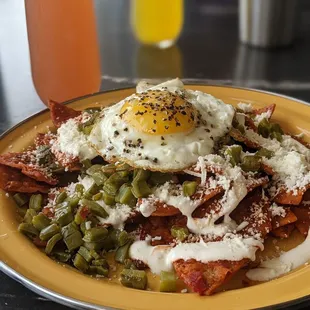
<point x="157" y="21"/>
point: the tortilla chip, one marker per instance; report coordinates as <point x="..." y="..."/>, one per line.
<point x="206" y="278"/>
<point x="303" y="216"/>
<point x="254" y="209"/>
<point x="284" y="231"/>
<point x="157" y="227"/>
<point x="61" y="113"/>
<point x="270" y="108"/>
<point x="71" y="163"/>
<point x="163" y="209"/>
<point x="267" y="169"/>
<point x="27" y="165"/>
<point x="214" y="202"/>
<point x="300" y="140"/>
<point x="238" y="136"/>
<point x="204" y="194"/>
<point x="303" y="227"/>
<point x="285" y="197"/>
<point x="250" y="123"/>
<point x="44" y="139"/>
<point x="12" y="180"/>
<point x="254" y="182"/>
<point x="279" y="221"/>
<point x="64" y="160"/>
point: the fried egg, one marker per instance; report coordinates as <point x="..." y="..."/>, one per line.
<point x="164" y="127"/>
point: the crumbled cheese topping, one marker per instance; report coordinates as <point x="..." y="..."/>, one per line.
<point x="259" y="117"/>
<point x="277" y="210"/>
<point x="73" y="142"/>
<point x="117" y="215"/>
<point x="291" y="161"/>
<point x="246" y="107"/>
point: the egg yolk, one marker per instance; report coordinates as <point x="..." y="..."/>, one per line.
<point x="159" y="112"/>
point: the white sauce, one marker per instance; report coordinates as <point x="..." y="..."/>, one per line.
<point x="283" y="264"/>
<point x="72" y="141"/>
<point x="160" y="258"/>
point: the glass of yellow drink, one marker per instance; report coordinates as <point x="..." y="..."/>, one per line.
<point x="157" y="22"/>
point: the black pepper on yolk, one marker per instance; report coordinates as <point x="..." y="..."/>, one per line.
<point x="159" y="112"/>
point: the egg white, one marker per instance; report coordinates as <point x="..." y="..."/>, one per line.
<point x="173" y="152"/>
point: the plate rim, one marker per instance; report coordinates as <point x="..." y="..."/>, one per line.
<point x="78" y="304"/>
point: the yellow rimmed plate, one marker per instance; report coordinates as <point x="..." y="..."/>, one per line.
<point x="21" y="260"/>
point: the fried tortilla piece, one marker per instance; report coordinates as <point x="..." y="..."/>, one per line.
<point x="238" y="136"/>
<point x="44" y="139"/>
<point x="67" y="161"/>
<point x="279" y="221"/>
<point x="306" y="199"/>
<point x="163" y="209"/>
<point x="64" y="160"/>
<point x="206" y="278"/>
<point x="254" y="182"/>
<point x="214" y="204"/>
<point x="303" y="227"/>
<point x="300" y="140"/>
<point x="254" y="209"/>
<point x="250" y="123"/>
<point x="284" y="231"/>
<point x="204" y="194"/>
<point x="12" y="180"/>
<point x="61" y="113"/>
<point x="267" y="169"/>
<point x="285" y="197"/>
<point x="161" y="227"/>
<point x="303" y="215"/>
<point x="268" y="109"/>
<point x="27" y="163"/>
<point x="156" y="227"/>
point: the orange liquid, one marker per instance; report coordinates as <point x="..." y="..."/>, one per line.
<point x="63" y="48"/>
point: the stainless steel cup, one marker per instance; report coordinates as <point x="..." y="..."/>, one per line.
<point x="267" y="23"/>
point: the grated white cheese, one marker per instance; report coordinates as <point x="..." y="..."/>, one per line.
<point x="246" y="107"/>
<point x="291" y="169"/>
<point x="117" y="215"/>
<point x="88" y="225"/>
<point x="87" y="181"/>
<point x="291" y="161"/>
<point x="259" y="117"/>
<point x="277" y="210"/>
<point x="72" y="141"/>
<point x="147" y="206"/>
